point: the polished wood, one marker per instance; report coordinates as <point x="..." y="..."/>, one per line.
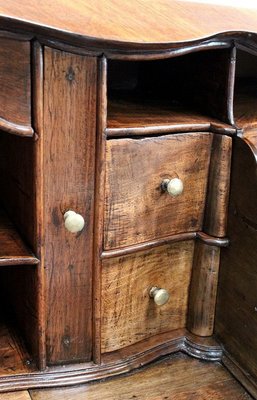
<point x="129" y="315"/>
<point x="203" y="290"/>
<point x="15" y="81"/>
<point x="215" y="219"/>
<point x="236" y="317"/>
<point x="68" y="165"/>
<point x="164" y="22"/>
<point x="135" y="172"/>
<point x="176" y="377"/>
<point x="13" y="250"/>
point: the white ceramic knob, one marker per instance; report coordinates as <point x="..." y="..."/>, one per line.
<point x="160" y="296"/>
<point x="174" y="187"/>
<point x="73" y="222"/>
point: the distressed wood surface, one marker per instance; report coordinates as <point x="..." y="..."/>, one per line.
<point x="215" y="218"/>
<point x="164" y="21"/>
<point x="13" y="250"/>
<point x="236" y="316"/>
<point x="68" y="165"/>
<point x="203" y="289"/>
<point x="129" y="315"/>
<point x="136" y="208"/>
<point x="15" y="82"/>
<point x="178" y="377"/>
<point x="24" y="395"/>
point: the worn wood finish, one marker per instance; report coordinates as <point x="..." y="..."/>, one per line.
<point x="24" y="395"/>
<point x="68" y="165"/>
<point x="131" y="118"/>
<point x="176" y="377"/>
<point x="236" y="317"/>
<point x="215" y="220"/>
<point x="164" y="22"/>
<point x="129" y="315"/>
<point x="99" y="206"/>
<point x="203" y="290"/>
<point x="13" y="358"/>
<point x="135" y="172"/>
<point x="13" y="250"/>
<point x="15" y="82"/>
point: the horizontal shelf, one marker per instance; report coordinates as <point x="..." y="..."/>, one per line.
<point x="13" y="250"/>
<point x="126" y="117"/>
<point x="13" y="356"/>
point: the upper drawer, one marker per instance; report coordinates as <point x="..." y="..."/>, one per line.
<point x="15" y="83"/>
<point x="136" y="207"/>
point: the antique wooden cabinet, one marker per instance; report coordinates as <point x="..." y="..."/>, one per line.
<point x="128" y="151"/>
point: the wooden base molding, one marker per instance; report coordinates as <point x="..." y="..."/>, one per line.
<point x="116" y="363"/>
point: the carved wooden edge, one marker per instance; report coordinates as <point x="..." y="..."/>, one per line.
<point x="37" y="120"/>
<point x="99" y="204"/>
<point x="29" y="260"/>
<point x="15" y="129"/>
<point x="88" y="372"/>
<point x="245" y="379"/>
<point x="204" y="237"/>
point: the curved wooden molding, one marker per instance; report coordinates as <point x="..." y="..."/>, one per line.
<point x="16" y="129"/>
<point x="113" y="364"/>
<point x="212" y="240"/>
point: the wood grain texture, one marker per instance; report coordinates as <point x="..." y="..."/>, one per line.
<point x="236" y="316"/>
<point x="13" y="250"/>
<point x="24" y="395"/>
<point x="12" y="358"/>
<point x="135" y="171"/>
<point x="176" y="378"/>
<point x="15" y="82"/>
<point x="203" y="289"/>
<point x="215" y="219"/>
<point x="164" y="21"/>
<point x="129" y="315"/>
<point x="68" y="165"/>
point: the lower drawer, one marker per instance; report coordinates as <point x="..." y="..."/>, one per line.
<point x="129" y="314"/>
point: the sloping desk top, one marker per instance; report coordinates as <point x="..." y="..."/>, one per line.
<point x="117" y="24"/>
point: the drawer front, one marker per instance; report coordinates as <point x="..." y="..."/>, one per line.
<point x="136" y="207"/>
<point x="129" y="314"/>
<point x="15" y="83"/>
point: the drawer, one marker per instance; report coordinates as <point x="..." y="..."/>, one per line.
<point x="129" y="314"/>
<point x="15" y="83"/>
<point x="136" y="207"/>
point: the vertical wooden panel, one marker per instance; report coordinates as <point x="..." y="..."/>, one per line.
<point x="215" y="221"/>
<point x="203" y="289"/>
<point x="236" y="316"/>
<point x="69" y="158"/>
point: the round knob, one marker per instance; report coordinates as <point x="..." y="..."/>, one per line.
<point x="174" y="187"/>
<point x="73" y="222"/>
<point x="160" y="296"/>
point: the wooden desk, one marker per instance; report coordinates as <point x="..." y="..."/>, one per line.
<point x="126" y="232"/>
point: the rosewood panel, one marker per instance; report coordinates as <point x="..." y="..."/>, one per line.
<point x="68" y="165"/>
<point x="136" y="208"/>
<point x="129" y="315"/>
<point x="236" y="316"/>
<point x="15" y="83"/>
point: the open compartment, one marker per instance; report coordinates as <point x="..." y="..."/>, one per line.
<point x="185" y="93"/>
<point x="245" y="95"/>
<point x="19" y="314"/>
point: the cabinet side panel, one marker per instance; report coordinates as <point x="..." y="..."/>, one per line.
<point x="69" y="143"/>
